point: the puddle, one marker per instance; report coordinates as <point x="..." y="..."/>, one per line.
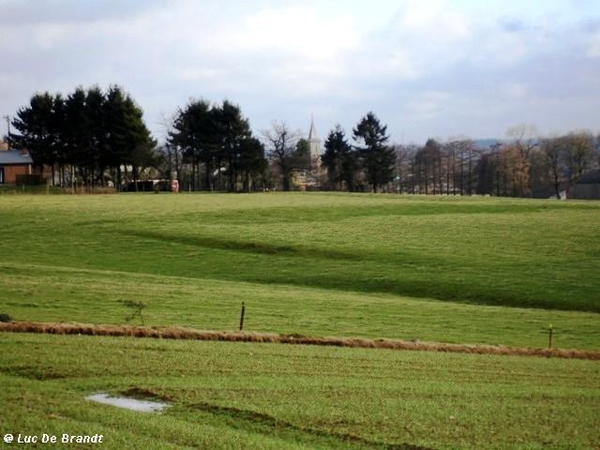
<point x="128" y="403"/>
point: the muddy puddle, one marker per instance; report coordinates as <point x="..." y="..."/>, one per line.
<point x="128" y="403"/>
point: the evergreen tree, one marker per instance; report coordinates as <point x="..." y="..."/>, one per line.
<point x="58" y="151"/>
<point x="77" y="134"/>
<point x="219" y="139"/>
<point x="96" y="135"/>
<point x="377" y="158"/>
<point x="233" y="129"/>
<point x="339" y="159"/>
<point x="128" y="143"/>
<point x="89" y="132"/>
<point x="252" y="163"/>
<point x="141" y="147"/>
<point x="301" y="156"/>
<point x="193" y="131"/>
<point x="38" y="132"/>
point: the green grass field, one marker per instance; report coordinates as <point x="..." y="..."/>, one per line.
<point x="458" y="270"/>
<point x="315" y="264"/>
<point x="268" y="396"/>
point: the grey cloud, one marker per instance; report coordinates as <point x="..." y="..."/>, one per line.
<point x="502" y="71"/>
<point x="512" y="24"/>
<point x="34" y="12"/>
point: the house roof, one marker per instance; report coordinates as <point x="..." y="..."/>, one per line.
<point x="14" y="157"/>
<point x="590" y="177"/>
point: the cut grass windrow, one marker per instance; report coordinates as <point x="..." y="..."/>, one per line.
<point x="274" y="338"/>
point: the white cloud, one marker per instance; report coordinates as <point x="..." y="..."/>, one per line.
<point x="399" y="63"/>
<point x="593" y="50"/>
<point x="296" y="30"/>
<point x="439" y="22"/>
<point x="459" y="66"/>
<point x="429" y="105"/>
<point x="502" y="50"/>
<point x="516" y="91"/>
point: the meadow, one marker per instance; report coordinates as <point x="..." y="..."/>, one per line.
<point x="269" y="396"/>
<point x="435" y="269"/>
<point x="313" y="264"/>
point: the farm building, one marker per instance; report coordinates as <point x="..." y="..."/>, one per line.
<point x="14" y="164"/>
<point x="588" y="186"/>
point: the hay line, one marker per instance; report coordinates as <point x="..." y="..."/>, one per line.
<point x="274" y="338"/>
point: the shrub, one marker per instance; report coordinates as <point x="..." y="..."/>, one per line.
<point x="137" y="310"/>
<point x="5" y="318"/>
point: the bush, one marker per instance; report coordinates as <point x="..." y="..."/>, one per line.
<point x="5" y="318"/>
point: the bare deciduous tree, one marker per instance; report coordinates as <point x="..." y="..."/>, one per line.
<point x="578" y="154"/>
<point x="281" y="143"/>
<point x="552" y="152"/>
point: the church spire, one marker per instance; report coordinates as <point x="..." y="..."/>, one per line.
<point x="312" y="134"/>
<point x="313" y="140"/>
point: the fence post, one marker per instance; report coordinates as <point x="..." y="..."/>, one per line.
<point x="242" y="316"/>
<point x="550" y="336"/>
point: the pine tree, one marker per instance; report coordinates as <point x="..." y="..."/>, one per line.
<point x="376" y="157"/>
<point x="88" y="132"/>
<point x="37" y="131"/>
<point x="339" y="159"/>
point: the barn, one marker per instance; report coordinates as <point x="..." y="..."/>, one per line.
<point x="588" y="186"/>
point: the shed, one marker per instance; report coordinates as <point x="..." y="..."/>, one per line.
<point x="13" y="164"/>
<point x="588" y="186"/>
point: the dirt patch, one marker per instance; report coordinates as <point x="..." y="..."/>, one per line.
<point x="145" y="394"/>
<point x="273" y="338"/>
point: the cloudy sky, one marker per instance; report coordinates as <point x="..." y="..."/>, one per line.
<point x="427" y="68"/>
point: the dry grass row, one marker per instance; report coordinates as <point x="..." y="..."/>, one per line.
<point x="274" y="338"/>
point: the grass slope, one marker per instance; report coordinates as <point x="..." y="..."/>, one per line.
<point x="485" y="251"/>
<point x="47" y="293"/>
<point x="490" y="271"/>
<point x="317" y="264"/>
<point x="263" y="396"/>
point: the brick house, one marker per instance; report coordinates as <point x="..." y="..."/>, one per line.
<point x="13" y="164"/>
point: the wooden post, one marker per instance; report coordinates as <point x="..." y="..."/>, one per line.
<point x="550" y="336"/>
<point x="242" y="316"/>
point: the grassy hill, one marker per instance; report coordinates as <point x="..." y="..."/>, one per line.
<point x="321" y="264"/>
<point x="459" y="270"/>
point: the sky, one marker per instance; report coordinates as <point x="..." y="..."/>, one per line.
<point x="426" y="68"/>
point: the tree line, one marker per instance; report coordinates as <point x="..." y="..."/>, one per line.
<point x="216" y="144"/>
<point x="523" y="165"/>
<point x="87" y="137"/>
<point x="93" y="137"/>
<point x="97" y="138"/>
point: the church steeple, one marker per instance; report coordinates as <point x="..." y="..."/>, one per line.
<point x="313" y="141"/>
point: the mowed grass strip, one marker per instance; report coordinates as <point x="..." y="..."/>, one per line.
<point x="51" y="294"/>
<point x="232" y="395"/>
